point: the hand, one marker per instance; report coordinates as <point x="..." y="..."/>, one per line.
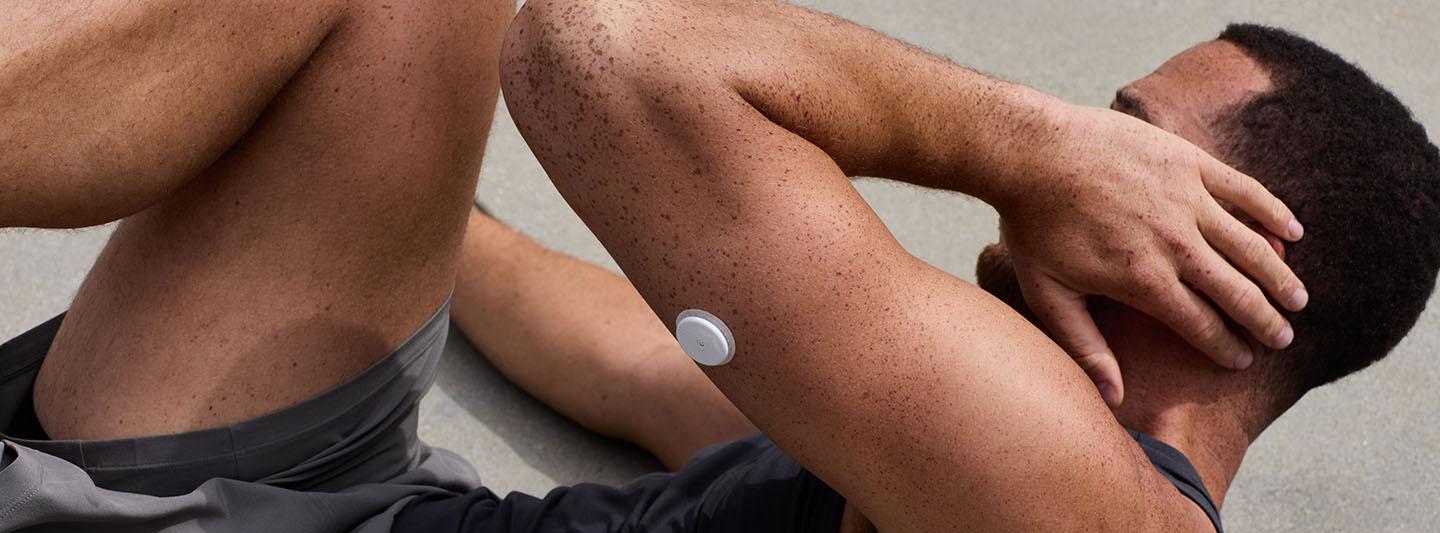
<point x="1116" y="207"/>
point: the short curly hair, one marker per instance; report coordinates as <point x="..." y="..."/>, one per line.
<point x="1361" y="174"/>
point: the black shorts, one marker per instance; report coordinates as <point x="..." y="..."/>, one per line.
<point x="745" y="486"/>
<point x="345" y="460"/>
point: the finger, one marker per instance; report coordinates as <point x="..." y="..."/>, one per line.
<point x="1247" y="194"/>
<point x="1191" y="317"/>
<point x="1104" y="370"/>
<point x="1254" y="256"/>
<point x="1064" y="314"/>
<point x="1240" y="298"/>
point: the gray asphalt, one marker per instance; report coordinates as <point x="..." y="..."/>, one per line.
<point x="1360" y="455"/>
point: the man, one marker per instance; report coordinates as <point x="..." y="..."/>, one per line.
<point x="248" y="351"/>
<point x="839" y="361"/>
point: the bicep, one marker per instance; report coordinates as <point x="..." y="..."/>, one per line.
<point x="928" y="404"/>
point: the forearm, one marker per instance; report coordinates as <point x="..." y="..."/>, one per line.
<point x="877" y="106"/>
<point x="579" y="338"/>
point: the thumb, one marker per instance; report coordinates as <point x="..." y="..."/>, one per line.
<point x="1104" y="370"/>
<point x="1063" y="312"/>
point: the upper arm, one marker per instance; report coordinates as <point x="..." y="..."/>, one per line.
<point x="927" y="403"/>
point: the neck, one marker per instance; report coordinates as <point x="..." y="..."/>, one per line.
<point x="1178" y="396"/>
<point x="1214" y="443"/>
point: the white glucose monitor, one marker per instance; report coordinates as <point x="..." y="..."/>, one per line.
<point x="704" y="337"/>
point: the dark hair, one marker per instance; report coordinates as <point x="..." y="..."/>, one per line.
<point x="1361" y="175"/>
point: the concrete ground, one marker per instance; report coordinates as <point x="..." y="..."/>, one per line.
<point x="1361" y="455"/>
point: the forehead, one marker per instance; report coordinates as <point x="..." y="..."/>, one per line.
<point x="1192" y="88"/>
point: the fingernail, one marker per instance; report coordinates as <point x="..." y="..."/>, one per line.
<point x="1283" y="338"/>
<point x="1243" y="360"/>
<point x="1299" y="299"/>
<point x="1296" y="230"/>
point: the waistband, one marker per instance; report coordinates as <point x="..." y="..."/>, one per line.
<point x="333" y="425"/>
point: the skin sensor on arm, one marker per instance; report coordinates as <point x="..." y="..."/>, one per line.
<point x="704" y="337"/>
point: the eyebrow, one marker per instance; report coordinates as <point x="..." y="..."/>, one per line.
<point x="1126" y="102"/>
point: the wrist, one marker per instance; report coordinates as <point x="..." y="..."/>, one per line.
<point x="1017" y="137"/>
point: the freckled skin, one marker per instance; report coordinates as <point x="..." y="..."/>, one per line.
<point x="1210" y="414"/>
<point x="927" y="403"/>
<point x="301" y="171"/>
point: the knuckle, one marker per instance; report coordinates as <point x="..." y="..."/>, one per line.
<point x="1246" y="299"/>
<point x="1144" y="289"/>
<point x="1278" y="209"/>
<point x="1174" y="240"/>
<point x="1246" y="184"/>
<point x="1144" y="279"/>
<point x="1154" y="282"/>
<point x="1253" y="249"/>
<point x="1210" y="332"/>
<point x="1249" y="186"/>
<point x="1254" y="241"/>
<point x="1093" y="362"/>
<point x="1277" y="277"/>
<point x="1228" y="182"/>
<point x="1255" y="246"/>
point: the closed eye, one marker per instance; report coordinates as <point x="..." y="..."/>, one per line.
<point x="1126" y="102"/>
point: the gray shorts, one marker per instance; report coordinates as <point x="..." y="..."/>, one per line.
<point x="346" y="460"/>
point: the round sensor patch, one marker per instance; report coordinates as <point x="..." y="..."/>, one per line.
<point x="704" y="337"/>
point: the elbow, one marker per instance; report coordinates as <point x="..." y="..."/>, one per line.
<point x="580" y="77"/>
<point x="553" y="44"/>
<point x="571" y="54"/>
<point x="597" y="86"/>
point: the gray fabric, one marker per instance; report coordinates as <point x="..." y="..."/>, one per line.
<point x="346" y="460"/>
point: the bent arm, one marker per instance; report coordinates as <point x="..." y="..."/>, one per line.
<point x="930" y="405"/>
<point x="878" y="107"/>
<point x="1133" y="209"/>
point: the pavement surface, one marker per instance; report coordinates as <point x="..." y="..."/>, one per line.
<point x="1360" y="455"/>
